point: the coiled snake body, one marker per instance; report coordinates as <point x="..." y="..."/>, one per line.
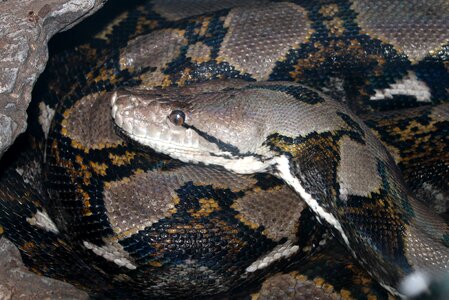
<point x="125" y="222"/>
<point x="314" y="144"/>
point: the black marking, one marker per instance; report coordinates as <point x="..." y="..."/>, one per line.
<point x="362" y="75"/>
<point x="220" y="144"/>
<point x="351" y="123"/>
<point x="218" y="241"/>
<point x="381" y="222"/>
<point x="446" y="239"/>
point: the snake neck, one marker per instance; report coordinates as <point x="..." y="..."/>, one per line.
<point x="382" y="228"/>
<point x="311" y="169"/>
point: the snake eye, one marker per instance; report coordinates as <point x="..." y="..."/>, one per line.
<point x="177" y="117"/>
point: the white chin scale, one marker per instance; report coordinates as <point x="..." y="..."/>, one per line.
<point x="245" y="165"/>
<point x="184" y="146"/>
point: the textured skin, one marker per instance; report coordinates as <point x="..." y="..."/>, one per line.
<point x="202" y="236"/>
<point x="314" y="144"/>
<point x="400" y="129"/>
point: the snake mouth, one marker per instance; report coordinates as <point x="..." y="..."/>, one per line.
<point x="145" y="122"/>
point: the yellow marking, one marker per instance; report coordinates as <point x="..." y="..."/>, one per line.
<point x="108" y="31"/>
<point x="365" y="280"/>
<point x="77" y="145"/>
<point x="172" y="211"/>
<point x="84" y="173"/>
<point x="124" y="180"/>
<point x="418" y="147"/>
<point x="338" y="48"/>
<point x="204" y="26"/>
<point x="181" y="33"/>
<point x="152" y="23"/>
<point x="156" y="264"/>
<point x="99" y="169"/>
<point x="100" y="146"/>
<point x="248" y="223"/>
<point x="86" y="199"/>
<point x="231" y="233"/>
<point x="199" y="52"/>
<point x="154" y="79"/>
<point x="175" y="200"/>
<point x="86" y="178"/>
<point x="28" y="246"/>
<point x="329" y="10"/>
<point x="255" y="296"/>
<point x="207" y="206"/>
<point x="123" y="61"/>
<point x="87" y="212"/>
<point x="318" y="281"/>
<point x="79" y="160"/>
<point x="1" y="230"/>
<point x="301" y="278"/>
<point x="142" y="21"/>
<point x="85" y="195"/>
<point x="328" y="288"/>
<point x="414" y="128"/>
<point x="335" y="26"/>
<point x="37" y="272"/>
<point x="182" y="229"/>
<point x="139" y="171"/>
<point x="108" y="185"/>
<point x="272" y="189"/>
<point x="107" y="76"/>
<point x="371" y="297"/>
<point x="89" y="75"/>
<point x="120" y="235"/>
<point x="293" y="149"/>
<point x="62" y="242"/>
<point x="66" y="113"/>
<point x="365" y="290"/>
<point x="345" y="294"/>
<point x="219" y="59"/>
<point x="166" y="82"/>
<point x="185" y="76"/>
<point x="257" y="189"/>
<point x="121" y="160"/>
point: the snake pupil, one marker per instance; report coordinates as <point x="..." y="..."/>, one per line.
<point x="177" y="117"/>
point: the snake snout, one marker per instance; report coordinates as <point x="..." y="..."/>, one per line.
<point x="125" y="100"/>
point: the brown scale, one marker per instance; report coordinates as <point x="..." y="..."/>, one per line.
<point x="88" y="132"/>
<point x="83" y="168"/>
<point x="412" y="136"/>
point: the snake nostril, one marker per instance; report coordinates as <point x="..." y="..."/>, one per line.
<point x="134" y="101"/>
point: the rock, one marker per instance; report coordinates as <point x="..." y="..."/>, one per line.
<point x="16" y="282"/>
<point x="25" y="28"/>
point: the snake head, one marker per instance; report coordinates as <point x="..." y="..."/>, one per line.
<point x="200" y="125"/>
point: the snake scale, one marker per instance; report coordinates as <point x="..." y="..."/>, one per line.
<point x="94" y="208"/>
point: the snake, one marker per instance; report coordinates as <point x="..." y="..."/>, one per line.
<point x="318" y="147"/>
<point x="87" y="201"/>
